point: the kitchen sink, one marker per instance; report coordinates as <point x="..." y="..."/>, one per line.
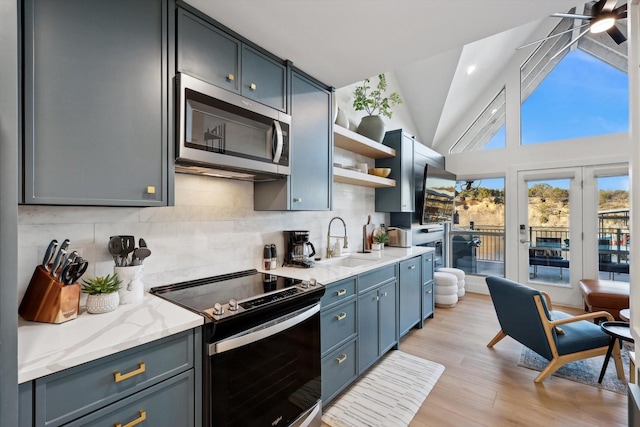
<point x="350" y="261"/>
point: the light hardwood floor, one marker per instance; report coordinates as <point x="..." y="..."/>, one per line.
<point x="486" y="387"/>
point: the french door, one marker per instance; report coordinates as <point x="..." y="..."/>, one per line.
<point x="550" y="230"/>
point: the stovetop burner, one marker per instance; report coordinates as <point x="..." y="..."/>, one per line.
<point x="230" y="295"/>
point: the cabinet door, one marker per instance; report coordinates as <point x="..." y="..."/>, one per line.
<point x="387" y="322"/>
<point x="311" y="165"/>
<point x="263" y="80"/>
<point x="25" y="404"/>
<point x="400" y="198"/>
<point x="410" y="294"/>
<point x="428" y="308"/>
<point x="368" y="348"/>
<point x="207" y="53"/>
<point x="95" y="102"/>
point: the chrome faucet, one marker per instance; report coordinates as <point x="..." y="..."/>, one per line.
<point x="329" y="236"/>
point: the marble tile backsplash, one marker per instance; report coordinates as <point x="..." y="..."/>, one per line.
<point x="211" y="230"/>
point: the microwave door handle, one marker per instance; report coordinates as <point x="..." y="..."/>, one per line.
<point x="277" y="138"/>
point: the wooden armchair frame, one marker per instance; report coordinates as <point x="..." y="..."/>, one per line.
<point x="559" y="360"/>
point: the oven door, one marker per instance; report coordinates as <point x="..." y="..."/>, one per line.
<point x="266" y="376"/>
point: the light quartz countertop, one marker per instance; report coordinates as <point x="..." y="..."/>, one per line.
<point x="45" y="348"/>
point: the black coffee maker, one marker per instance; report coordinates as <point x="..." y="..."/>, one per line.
<point x="300" y="250"/>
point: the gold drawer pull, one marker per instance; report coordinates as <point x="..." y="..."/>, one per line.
<point x="341" y="358"/>
<point x="141" y="418"/>
<point x="412" y="266"/>
<point x="119" y="377"/>
<point x="341" y="316"/>
<point x="429" y="291"/>
<point x="231" y="77"/>
<point x="253" y="86"/>
<point x="341" y="292"/>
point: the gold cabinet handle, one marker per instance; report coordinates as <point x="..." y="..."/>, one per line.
<point x="341" y="316"/>
<point x="429" y="291"/>
<point x="341" y="292"/>
<point x="253" y="86"/>
<point x="384" y="294"/>
<point x="151" y="189"/>
<point x="119" y="377"/>
<point x="412" y="266"/>
<point x="341" y="358"/>
<point x="231" y="77"/>
<point x="141" y="418"/>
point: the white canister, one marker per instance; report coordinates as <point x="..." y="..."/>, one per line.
<point x="131" y="289"/>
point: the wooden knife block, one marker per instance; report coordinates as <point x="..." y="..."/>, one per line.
<point x="48" y="300"/>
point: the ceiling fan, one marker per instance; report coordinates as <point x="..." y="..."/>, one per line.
<point x="604" y="15"/>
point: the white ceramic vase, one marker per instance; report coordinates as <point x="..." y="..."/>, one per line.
<point x="102" y="303"/>
<point x="377" y="246"/>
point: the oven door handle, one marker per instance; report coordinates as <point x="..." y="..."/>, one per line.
<point x="263" y="331"/>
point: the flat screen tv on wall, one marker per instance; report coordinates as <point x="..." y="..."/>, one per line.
<point x="438" y="196"/>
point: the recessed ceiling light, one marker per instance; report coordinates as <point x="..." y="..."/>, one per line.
<point x="470" y="69"/>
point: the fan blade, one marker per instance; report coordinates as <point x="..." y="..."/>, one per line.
<point x="620" y="12"/>
<point x="616" y="35"/>
<point x="552" y="36"/>
<point x="569" y="44"/>
<point x="603" y="6"/>
<point x="571" y="15"/>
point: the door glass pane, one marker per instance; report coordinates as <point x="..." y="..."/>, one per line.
<point x="548" y="217"/>
<point x="613" y="228"/>
<point x="477" y="241"/>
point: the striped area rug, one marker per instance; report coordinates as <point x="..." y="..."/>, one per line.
<point x="389" y="394"/>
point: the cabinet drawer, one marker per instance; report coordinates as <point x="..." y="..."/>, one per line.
<point x="338" y="291"/>
<point x="337" y="325"/>
<point x="67" y="395"/>
<point x="168" y="404"/>
<point x="376" y="277"/>
<point x="338" y="370"/>
<point x="427" y="267"/>
<point x="427" y="300"/>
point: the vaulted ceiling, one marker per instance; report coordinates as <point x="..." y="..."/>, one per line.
<point x="341" y="42"/>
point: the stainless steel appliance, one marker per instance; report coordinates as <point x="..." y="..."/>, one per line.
<point x="300" y="250"/>
<point x="261" y="346"/>
<point x="221" y="133"/>
<point x="399" y="237"/>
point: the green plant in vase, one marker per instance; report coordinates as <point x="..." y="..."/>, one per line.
<point x="102" y="293"/>
<point x="379" y="240"/>
<point x="375" y="103"/>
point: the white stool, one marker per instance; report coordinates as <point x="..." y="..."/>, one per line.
<point x="446" y="289"/>
<point x="460" y="275"/>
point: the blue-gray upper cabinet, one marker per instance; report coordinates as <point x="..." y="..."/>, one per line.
<point x="211" y="54"/>
<point x="95" y="102"/>
<point x="309" y="186"/>
<point x="400" y="198"/>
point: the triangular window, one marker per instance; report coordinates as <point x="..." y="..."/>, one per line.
<point x="488" y="130"/>
<point x="575" y="92"/>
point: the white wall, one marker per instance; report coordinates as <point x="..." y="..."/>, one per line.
<point x="601" y="150"/>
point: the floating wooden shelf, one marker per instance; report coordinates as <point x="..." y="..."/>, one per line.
<point x="358" y="178"/>
<point x="349" y="140"/>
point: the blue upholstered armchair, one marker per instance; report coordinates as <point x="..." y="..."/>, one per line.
<point x="525" y="314"/>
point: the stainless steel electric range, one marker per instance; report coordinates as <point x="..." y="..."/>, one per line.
<point x="261" y="347"/>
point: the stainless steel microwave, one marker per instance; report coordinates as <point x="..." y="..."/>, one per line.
<point x="224" y="134"/>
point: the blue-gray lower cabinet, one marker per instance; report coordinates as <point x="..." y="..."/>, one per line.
<point x="338" y="326"/>
<point x="377" y="315"/>
<point x="410" y="299"/>
<point x="428" y="307"/>
<point x="25" y="404"/>
<point x="156" y="382"/>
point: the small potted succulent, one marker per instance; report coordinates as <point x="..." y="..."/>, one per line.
<point x="379" y="241"/>
<point x="102" y="293"/>
<point x="375" y="103"/>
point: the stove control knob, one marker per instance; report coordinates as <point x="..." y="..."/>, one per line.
<point x="313" y="282"/>
<point x="304" y="284"/>
<point x="217" y="308"/>
<point x="233" y="305"/>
